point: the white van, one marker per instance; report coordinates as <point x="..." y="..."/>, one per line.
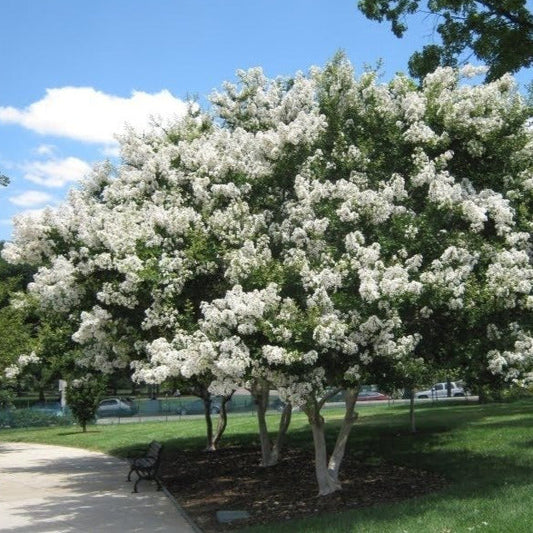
<point x="440" y="390"/>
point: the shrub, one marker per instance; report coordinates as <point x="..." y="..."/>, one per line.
<point x="83" y="397"/>
<point x="25" y="418"/>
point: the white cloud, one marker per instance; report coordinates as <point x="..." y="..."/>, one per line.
<point x="45" y="149"/>
<point x="31" y="198"/>
<point x="88" y="115"/>
<point x="111" y="150"/>
<point x="56" y="172"/>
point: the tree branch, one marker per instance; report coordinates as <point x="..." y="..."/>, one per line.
<point x="328" y="396"/>
<point x="523" y="22"/>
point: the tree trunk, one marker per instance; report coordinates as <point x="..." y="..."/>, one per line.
<point x="284" y="424"/>
<point x="483" y="397"/>
<point x="326" y="483"/>
<point x="260" y="392"/>
<point x="412" y="411"/>
<point x="221" y="424"/>
<point x="200" y="389"/>
<point x="327" y="471"/>
<point x="208" y="423"/>
<point x="350" y="416"/>
<point x="270" y="452"/>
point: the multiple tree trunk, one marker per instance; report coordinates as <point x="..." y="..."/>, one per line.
<point x="214" y="436"/>
<point x="270" y="450"/>
<point x="327" y="469"/>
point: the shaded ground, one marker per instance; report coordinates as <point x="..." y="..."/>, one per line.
<point x="230" y="479"/>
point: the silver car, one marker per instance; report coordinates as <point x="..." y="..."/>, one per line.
<point x="115" y="407"/>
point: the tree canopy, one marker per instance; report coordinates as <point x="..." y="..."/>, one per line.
<point x="310" y="234"/>
<point x="498" y="32"/>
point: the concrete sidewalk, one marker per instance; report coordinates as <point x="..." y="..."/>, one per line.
<point x="54" y="489"/>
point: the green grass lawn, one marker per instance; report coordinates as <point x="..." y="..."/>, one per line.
<point x="484" y="451"/>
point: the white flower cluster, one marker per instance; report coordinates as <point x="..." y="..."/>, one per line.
<point x="13" y="371"/>
<point x="376" y="279"/>
<point x="450" y="273"/>
<point x="510" y="277"/>
<point x="514" y="365"/>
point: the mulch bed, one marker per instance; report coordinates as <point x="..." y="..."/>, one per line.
<point x="231" y="479"/>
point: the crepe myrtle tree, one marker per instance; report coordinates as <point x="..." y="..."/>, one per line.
<point x="266" y="127"/>
<point x="130" y="255"/>
<point x="401" y="232"/>
<point x="134" y="250"/>
<point x="397" y="224"/>
<point x="326" y="222"/>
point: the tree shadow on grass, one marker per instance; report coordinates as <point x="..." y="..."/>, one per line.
<point x="377" y="439"/>
<point x="525" y="422"/>
<point x="472" y="474"/>
<point x="80" y="432"/>
<point x="388" y="476"/>
<point x="382" y="438"/>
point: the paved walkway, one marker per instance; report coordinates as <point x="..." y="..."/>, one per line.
<point x="53" y="489"/>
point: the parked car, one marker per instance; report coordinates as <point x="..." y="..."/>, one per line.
<point x="115" y="407"/>
<point x="366" y="396"/>
<point x="196" y="407"/>
<point x="49" y="408"/>
<point x="363" y="396"/>
<point x="440" y="390"/>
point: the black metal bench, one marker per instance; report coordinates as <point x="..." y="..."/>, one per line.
<point x="146" y="465"/>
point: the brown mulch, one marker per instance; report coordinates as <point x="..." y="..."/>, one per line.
<point x="231" y="479"/>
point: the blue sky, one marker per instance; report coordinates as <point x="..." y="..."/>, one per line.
<point x="73" y="71"/>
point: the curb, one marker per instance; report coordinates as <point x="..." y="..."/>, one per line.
<point x="180" y="509"/>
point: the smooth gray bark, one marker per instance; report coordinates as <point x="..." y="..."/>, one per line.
<point x="270" y="451"/>
<point x="327" y="470"/>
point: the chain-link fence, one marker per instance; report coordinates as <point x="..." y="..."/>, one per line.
<point x="122" y="409"/>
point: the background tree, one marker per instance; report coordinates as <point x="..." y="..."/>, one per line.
<point x="498" y="32"/>
<point x="83" y="396"/>
<point x="16" y="323"/>
<point x="27" y="329"/>
<point x="407" y="375"/>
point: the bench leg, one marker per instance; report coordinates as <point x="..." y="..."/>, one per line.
<point x="149" y="477"/>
